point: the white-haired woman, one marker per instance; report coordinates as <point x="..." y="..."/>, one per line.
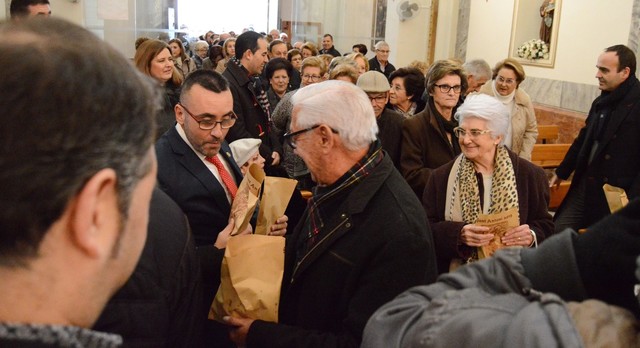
<point x="486" y="178"/>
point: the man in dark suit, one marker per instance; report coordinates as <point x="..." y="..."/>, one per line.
<point x="185" y="155"/>
<point x="250" y="102"/>
<point x="196" y="170"/>
<point x="607" y="149"/>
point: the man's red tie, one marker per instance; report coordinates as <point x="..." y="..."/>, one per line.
<point x="227" y="179"/>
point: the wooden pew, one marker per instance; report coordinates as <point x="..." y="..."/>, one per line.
<point x="548" y="134"/>
<point x="557" y="194"/>
<point x="549" y="155"/>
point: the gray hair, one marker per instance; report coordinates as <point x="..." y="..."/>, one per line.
<point x="200" y="44"/>
<point x="342" y="106"/>
<point x="488" y="108"/>
<point x="381" y="44"/>
<point x="478" y="68"/>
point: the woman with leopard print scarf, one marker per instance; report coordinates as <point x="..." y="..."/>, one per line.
<point x="486" y="178"/>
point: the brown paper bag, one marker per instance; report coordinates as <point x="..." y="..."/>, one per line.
<point x="275" y="198"/>
<point x="498" y="224"/>
<point x="244" y="204"/>
<point x="251" y="278"/>
<point x="616" y="197"/>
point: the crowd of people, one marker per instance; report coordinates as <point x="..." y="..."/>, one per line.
<point x="118" y="235"/>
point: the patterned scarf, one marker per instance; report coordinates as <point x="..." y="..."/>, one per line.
<point x="322" y="195"/>
<point x="503" y="196"/>
<point x="258" y="92"/>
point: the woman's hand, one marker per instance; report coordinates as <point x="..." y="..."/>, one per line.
<point x="518" y="236"/>
<point x="475" y="236"/>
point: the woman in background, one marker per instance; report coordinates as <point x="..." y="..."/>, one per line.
<point x="154" y="58"/>
<point x="405" y="96"/>
<point x="182" y="62"/>
<point x="278" y="72"/>
<point x="228" y="51"/>
<point x="523" y="127"/>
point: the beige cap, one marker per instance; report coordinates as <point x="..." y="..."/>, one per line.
<point x="244" y="149"/>
<point x="373" y="82"/>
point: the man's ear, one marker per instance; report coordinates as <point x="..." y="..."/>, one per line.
<point x="95" y="218"/>
<point x="626" y="72"/>
<point x="327" y="140"/>
<point x="179" y="114"/>
<point x="247" y="54"/>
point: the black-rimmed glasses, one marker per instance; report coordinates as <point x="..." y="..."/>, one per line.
<point x="208" y="124"/>
<point x="290" y="138"/>
<point x="447" y="88"/>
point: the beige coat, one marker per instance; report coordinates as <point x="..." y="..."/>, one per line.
<point x="524" y="127"/>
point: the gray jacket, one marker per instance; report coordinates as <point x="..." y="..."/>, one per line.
<point x="489" y="303"/>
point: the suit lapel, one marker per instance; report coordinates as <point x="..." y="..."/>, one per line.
<point x="192" y="163"/>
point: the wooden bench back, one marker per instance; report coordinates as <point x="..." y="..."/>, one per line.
<point x="548" y="134"/>
<point x="549" y="155"/>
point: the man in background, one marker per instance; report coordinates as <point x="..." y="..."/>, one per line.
<point x="380" y="62"/>
<point x="29" y="8"/>
<point x="327" y="46"/>
<point x="607" y="149"/>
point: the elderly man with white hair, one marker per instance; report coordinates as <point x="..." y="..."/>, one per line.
<point x="478" y="73"/>
<point x="381" y="61"/>
<point x="486" y="179"/>
<point x="364" y="238"/>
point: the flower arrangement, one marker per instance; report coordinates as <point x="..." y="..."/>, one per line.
<point x="534" y="49"/>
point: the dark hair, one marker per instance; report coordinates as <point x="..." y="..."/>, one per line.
<point x="276" y="64"/>
<point x="274" y="43"/>
<point x="69" y="122"/>
<point x="215" y="55"/>
<point x="413" y="82"/>
<point x="292" y="53"/>
<point x="626" y="57"/>
<point x="20" y="8"/>
<point x="362" y="48"/>
<point x="247" y="41"/>
<point x="207" y="79"/>
<point x="328" y="35"/>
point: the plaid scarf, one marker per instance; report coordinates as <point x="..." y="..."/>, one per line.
<point x="322" y="195"/>
<point x="256" y="89"/>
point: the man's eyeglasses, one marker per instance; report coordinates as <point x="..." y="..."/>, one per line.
<point x="208" y="124"/>
<point x="313" y="78"/>
<point x="378" y="98"/>
<point x="474" y="133"/>
<point x="383" y="51"/>
<point x="505" y="81"/>
<point x="290" y="138"/>
<point x="446" y="88"/>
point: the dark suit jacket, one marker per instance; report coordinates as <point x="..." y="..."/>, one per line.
<point x="616" y="161"/>
<point x="183" y="176"/>
<point x="375" y="66"/>
<point x="161" y="304"/>
<point x="252" y="121"/>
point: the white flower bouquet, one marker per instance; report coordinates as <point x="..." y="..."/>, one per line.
<point x="534" y="49"/>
